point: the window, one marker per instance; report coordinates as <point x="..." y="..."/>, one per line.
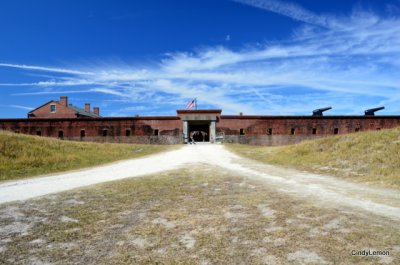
<point x="292" y="131"/>
<point x="357" y="129"/>
<point x="241" y="132"/>
<point x="156" y="132"/>
<point x="128" y="132"/>
<point x="105" y="132"/>
<point x="269" y="131"/>
<point x="83" y="133"/>
<point x="314" y="131"/>
<point x="53" y="108"/>
<point x="61" y="134"/>
<point x="336" y="131"/>
<point x="39" y="133"/>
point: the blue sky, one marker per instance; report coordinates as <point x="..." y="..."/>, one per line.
<point x="151" y="57"/>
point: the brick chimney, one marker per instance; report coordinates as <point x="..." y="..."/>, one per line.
<point x="64" y="101"/>
<point x="96" y="110"/>
<point x="87" y="107"/>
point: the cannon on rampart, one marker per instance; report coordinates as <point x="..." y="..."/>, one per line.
<point x="371" y="112"/>
<point x="319" y="112"/>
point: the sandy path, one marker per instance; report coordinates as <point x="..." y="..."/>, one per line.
<point x="321" y="189"/>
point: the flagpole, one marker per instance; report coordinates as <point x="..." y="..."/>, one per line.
<point x="195" y="102"/>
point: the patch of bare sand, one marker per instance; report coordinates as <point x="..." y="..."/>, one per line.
<point x="305" y="257"/>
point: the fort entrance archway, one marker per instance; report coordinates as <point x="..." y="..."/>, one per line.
<point x="199" y="123"/>
<point x="199" y="130"/>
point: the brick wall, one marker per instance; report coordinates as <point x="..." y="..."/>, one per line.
<point x="119" y="130"/>
<point x="294" y="129"/>
<point x="168" y="130"/>
<point x="304" y="125"/>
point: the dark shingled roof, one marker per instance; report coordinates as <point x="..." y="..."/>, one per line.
<point x="82" y="112"/>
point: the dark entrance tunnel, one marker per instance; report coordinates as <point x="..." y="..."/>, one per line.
<point x="199" y="131"/>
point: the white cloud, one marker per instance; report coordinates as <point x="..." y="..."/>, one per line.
<point x="17" y="107"/>
<point x="46" y="69"/>
<point x="351" y="63"/>
<point x="53" y="83"/>
<point x="288" y="9"/>
<point x="51" y="92"/>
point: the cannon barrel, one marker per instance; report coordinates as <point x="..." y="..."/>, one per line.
<point x="319" y="112"/>
<point x="371" y="112"/>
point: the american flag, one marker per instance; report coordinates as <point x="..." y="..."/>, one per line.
<point x="191" y="104"/>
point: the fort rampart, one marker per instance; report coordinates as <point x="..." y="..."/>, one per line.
<point x="259" y="130"/>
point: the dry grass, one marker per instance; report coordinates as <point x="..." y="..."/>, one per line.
<point x="372" y="157"/>
<point x="24" y="155"/>
<point x="193" y="216"/>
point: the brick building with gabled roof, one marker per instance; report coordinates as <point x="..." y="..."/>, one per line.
<point x="61" y="109"/>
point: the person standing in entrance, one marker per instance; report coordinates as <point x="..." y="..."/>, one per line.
<point x="192" y="138"/>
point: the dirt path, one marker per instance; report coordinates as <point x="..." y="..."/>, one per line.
<point x="325" y="190"/>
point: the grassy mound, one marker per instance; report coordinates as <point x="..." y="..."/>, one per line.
<point x="25" y="155"/>
<point x="367" y="156"/>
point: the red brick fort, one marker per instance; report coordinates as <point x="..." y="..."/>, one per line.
<point x="62" y="120"/>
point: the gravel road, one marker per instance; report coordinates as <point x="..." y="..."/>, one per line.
<point x="323" y="190"/>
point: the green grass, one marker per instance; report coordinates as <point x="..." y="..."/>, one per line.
<point x="372" y="157"/>
<point x="25" y="155"/>
<point x="197" y="215"/>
